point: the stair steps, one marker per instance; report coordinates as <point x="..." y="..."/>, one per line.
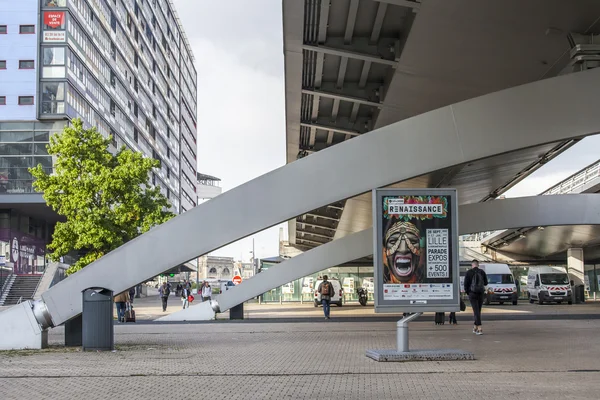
<point x="22" y="288"/>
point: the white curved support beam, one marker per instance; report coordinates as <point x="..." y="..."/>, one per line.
<point x="575" y="209"/>
<point x="541" y="112"/>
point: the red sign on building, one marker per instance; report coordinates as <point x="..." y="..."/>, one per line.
<point x="54" y="19"/>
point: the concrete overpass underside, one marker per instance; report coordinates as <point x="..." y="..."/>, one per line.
<point x="353" y="66"/>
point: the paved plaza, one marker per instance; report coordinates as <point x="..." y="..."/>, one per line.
<point x="545" y="359"/>
<point x="149" y="308"/>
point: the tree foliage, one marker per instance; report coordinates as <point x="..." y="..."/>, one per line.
<point x="106" y="198"/>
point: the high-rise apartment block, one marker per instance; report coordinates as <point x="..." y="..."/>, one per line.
<point x="123" y="66"/>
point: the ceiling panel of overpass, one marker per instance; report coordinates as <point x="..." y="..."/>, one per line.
<point x="367" y="64"/>
<point x="553" y="242"/>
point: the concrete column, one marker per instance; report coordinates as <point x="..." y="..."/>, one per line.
<point x="575" y="265"/>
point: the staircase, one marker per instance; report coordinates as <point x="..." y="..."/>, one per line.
<point x="7" y="281"/>
<point x="22" y="288"/>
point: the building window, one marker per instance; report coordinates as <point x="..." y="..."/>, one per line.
<point x="3" y="30"/>
<point x="53" y="98"/>
<point x="2" y="100"/>
<point x="54" y="56"/>
<point x="53" y="61"/>
<point x="27" y="29"/>
<point x="25" y="100"/>
<point x="2" y="64"/>
<point x="26" y="64"/>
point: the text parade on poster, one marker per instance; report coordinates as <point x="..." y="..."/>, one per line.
<point x="437" y="253"/>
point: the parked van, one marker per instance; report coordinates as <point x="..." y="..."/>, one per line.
<point x="501" y="284"/>
<point x="548" y="285"/>
<point x="338" y="292"/>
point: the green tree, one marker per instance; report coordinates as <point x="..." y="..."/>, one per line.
<point x="106" y="198"/>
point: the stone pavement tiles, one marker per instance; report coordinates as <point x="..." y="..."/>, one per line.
<point x="324" y="360"/>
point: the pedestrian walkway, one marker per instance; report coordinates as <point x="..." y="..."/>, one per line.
<point x="324" y="360"/>
<point x="149" y="308"/>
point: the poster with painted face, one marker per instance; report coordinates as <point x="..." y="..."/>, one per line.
<point x="416" y="242"/>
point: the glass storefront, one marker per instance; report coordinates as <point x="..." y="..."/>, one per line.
<point x="303" y="289"/>
<point x="354" y="277"/>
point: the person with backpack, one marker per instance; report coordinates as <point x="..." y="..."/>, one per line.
<point x="475" y="283"/>
<point x="121" y="301"/>
<point x="164" y="293"/>
<point x="326" y="290"/>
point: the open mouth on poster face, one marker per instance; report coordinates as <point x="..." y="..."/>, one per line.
<point x="403" y="264"/>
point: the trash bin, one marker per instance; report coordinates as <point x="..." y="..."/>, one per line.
<point x="579" y="294"/>
<point x="237" y="312"/>
<point x="97" y="319"/>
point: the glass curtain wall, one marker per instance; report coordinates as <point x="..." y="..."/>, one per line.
<point x="22" y="146"/>
<point x="303" y="289"/>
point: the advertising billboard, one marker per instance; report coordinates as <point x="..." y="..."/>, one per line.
<point x="415" y="237"/>
<point x="54" y="19"/>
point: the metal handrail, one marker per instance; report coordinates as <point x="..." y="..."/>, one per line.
<point x="20" y="300"/>
<point x="3" y="282"/>
<point x="576" y="181"/>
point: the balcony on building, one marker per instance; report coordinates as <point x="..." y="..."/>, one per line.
<point x="208" y="186"/>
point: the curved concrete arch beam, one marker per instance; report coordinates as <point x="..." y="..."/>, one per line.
<point x="541" y="112"/>
<point x="575" y="209"/>
<point x="521" y="212"/>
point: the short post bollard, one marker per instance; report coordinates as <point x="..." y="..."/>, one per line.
<point x="402" y="332"/>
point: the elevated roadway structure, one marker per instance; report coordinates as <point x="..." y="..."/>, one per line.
<point x="353" y="66"/>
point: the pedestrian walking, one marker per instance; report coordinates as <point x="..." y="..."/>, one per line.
<point x="121" y="302"/>
<point x="178" y="289"/>
<point x="326" y="291"/>
<point x="475" y="283"/>
<point x="206" y="291"/>
<point x="164" y="292"/>
<point x="131" y="294"/>
<point x="185" y="296"/>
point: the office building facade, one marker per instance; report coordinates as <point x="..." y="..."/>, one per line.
<point x="123" y="66"/>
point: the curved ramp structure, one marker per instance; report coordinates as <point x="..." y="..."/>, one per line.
<point x="578" y="209"/>
<point x="541" y="112"/>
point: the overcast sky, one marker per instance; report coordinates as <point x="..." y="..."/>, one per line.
<point x="241" y="116"/>
<point x="238" y="48"/>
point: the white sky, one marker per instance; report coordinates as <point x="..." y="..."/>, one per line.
<point x="241" y="115"/>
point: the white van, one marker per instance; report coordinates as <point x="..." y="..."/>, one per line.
<point x="501" y="284"/>
<point x="337" y="295"/>
<point x="548" y="285"/>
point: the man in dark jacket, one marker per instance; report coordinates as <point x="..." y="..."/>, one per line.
<point x="475" y="283"/>
<point x="164" y="292"/>
<point x="326" y="290"/>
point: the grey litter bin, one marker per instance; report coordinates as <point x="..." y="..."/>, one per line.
<point x="579" y="294"/>
<point x="237" y="312"/>
<point x="97" y="320"/>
